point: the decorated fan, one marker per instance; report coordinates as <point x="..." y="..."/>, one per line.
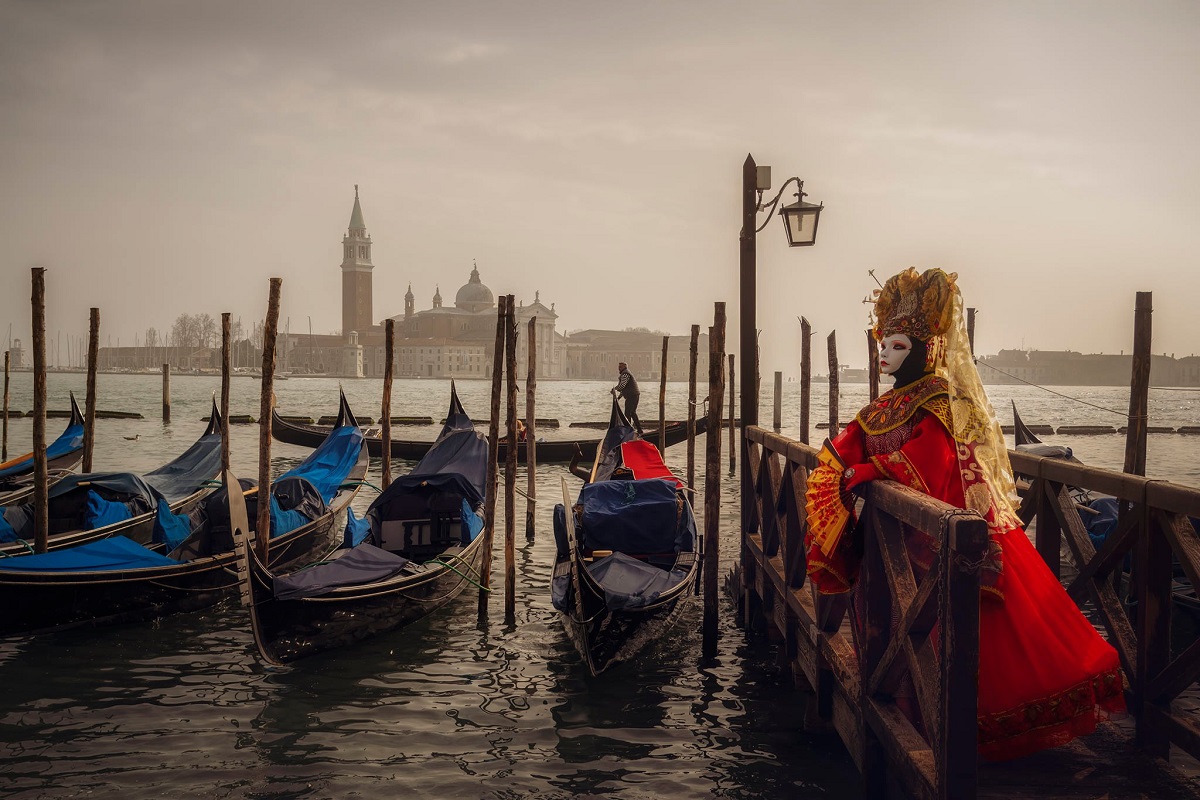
<point x="828" y="504"/>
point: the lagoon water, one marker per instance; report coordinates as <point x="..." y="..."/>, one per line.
<point x="451" y="707"/>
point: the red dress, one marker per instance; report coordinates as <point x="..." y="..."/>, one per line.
<point x="1045" y="674"/>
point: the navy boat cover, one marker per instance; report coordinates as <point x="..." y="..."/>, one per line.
<point x="359" y="565"/>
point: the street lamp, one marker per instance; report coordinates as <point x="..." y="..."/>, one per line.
<point x="800" y="223"/>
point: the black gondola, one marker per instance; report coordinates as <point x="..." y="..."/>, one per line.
<point x="626" y="551"/>
<point x="548" y="450"/>
<point x="62" y="456"/>
<point x="423" y="545"/>
<point x="95" y="505"/>
<point x="1021" y="433"/>
<point x="118" y="579"/>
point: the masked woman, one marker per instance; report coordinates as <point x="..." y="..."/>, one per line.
<point x="1045" y="674"/>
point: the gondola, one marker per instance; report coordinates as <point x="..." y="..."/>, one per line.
<point x="192" y="562"/>
<point x="95" y="505"/>
<point x="419" y="545"/>
<point x="626" y="552"/>
<point x="62" y="456"/>
<point x="548" y="450"/>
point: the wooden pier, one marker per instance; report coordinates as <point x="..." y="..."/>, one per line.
<point x="852" y="683"/>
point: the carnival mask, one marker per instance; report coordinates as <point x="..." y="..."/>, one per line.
<point x="893" y="350"/>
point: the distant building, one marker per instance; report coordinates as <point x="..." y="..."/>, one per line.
<point x="1068" y="368"/>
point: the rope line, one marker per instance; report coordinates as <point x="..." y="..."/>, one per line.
<point x="1064" y="396"/>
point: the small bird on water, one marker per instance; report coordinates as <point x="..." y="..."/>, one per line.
<point x="134" y="438"/>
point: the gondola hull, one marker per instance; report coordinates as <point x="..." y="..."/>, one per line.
<point x="36" y="602"/>
<point x="286" y="630"/>
<point x="548" y="451"/>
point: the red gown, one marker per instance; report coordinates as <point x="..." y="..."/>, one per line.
<point x="1045" y="674"/>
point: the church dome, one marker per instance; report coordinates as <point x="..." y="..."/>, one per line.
<point x="474" y="296"/>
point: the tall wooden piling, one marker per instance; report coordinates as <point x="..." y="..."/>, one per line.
<point x="833" y="385"/>
<point x="805" y="378"/>
<point x="266" y="402"/>
<point x="778" y="419"/>
<point x="89" y="402"/>
<point x="712" y="478"/>
<point x="732" y="420"/>
<point x="693" y="353"/>
<point x="971" y="330"/>
<point x="226" y="377"/>
<point x="510" y="465"/>
<point x="872" y="365"/>
<point x="166" y="380"/>
<point x="41" y="486"/>
<point x="531" y="431"/>
<point x="662" y="399"/>
<point x="1139" y="386"/>
<point x="4" y="445"/>
<point x="389" y="355"/>
<point x="489" y="505"/>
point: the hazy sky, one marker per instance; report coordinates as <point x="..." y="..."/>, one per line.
<point x="165" y="157"/>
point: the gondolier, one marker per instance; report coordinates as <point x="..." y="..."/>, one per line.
<point x="627" y="387"/>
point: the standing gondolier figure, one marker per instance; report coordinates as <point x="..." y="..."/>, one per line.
<point x="627" y="387"/>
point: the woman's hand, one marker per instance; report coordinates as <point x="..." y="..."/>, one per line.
<point x="859" y="474"/>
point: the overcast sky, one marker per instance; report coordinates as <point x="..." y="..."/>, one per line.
<point x="165" y="157"/>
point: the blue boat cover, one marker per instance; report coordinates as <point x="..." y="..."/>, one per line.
<point x="363" y="564"/>
<point x="100" y="512"/>
<point x="357" y="530"/>
<point x="326" y="467"/>
<point x="67" y="442"/>
<point x="629" y="583"/>
<point x="638" y="517"/>
<point x="170" y="529"/>
<point x="113" y="553"/>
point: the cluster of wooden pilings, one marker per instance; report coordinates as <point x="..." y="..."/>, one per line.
<point x="920" y="627"/>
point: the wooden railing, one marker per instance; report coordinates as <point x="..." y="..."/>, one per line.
<point x="918" y="627"/>
<point x="854" y="671"/>
<point x="1135" y="607"/>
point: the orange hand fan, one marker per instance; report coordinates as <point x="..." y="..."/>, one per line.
<point x="827" y="504"/>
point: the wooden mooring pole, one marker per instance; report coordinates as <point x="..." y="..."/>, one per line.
<point x="777" y="422"/>
<point x="510" y="465"/>
<point x="971" y="330"/>
<point x="4" y="446"/>
<point x="712" y="477"/>
<point x="166" y="376"/>
<point x="489" y="504"/>
<point x="89" y="402"/>
<point x="531" y="432"/>
<point x="872" y="365"/>
<point x="833" y="385"/>
<point x="662" y="399"/>
<point x="805" y="379"/>
<point x="693" y="354"/>
<point x="266" y="402"/>
<point x="41" y="487"/>
<point x="226" y="376"/>
<point x="732" y="420"/>
<point x="389" y="355"/>
<point x="1139" y="386"/>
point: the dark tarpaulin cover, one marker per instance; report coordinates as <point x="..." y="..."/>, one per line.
<point x="360" y="565"/>
<point x="187" y="474"/>
<point x="629" y="583"/>
<point x="112" y="553"/>
<point x="637" y="517"/>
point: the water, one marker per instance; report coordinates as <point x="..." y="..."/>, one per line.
<point x="448" y="707"/>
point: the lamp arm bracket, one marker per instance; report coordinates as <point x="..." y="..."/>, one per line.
<point x="775" y="202"/>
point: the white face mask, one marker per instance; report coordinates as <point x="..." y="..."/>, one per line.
<point x="893" y="349"/>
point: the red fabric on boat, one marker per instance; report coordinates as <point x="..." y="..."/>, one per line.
<point x="644" y="461"/>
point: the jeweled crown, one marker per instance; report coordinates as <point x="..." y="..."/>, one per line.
<point x="918" y="305"/>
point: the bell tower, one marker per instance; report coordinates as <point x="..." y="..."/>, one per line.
<point x="356" y="274"/>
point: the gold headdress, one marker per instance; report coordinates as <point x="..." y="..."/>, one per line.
<point x="920" y="306"/>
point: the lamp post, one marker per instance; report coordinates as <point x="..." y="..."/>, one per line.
<point x="800" y="222"/>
